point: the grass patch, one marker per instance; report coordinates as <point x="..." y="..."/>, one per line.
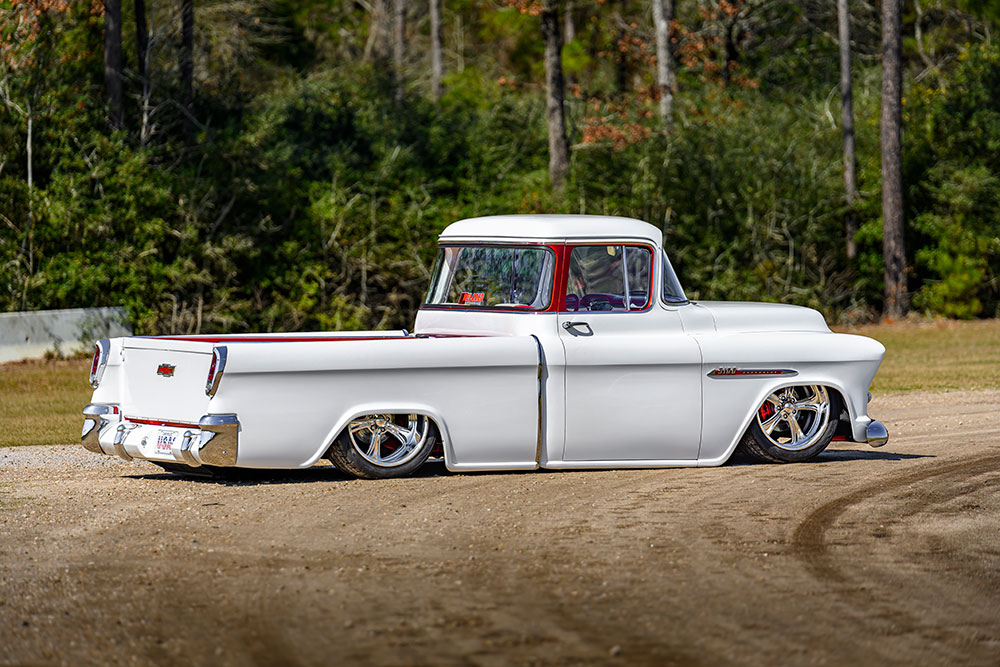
<point x="936" y="355"/>
<point x="41" y="401"/>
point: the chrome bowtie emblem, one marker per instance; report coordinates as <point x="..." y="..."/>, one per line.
<point x="166" y="370"/>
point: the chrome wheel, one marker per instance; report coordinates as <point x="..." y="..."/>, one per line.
<point x="795" y="418"/>
<point x="387" y="440"/>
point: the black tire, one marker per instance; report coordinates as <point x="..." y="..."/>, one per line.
<point x="346" y="455"/>
<point x="757" y="444"/>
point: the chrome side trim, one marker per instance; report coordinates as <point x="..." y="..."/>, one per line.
<point x="877" y="434"/>
<point x="541" y="401"/>
<point x="219" y="442"/>
<point x="729" y="372"/>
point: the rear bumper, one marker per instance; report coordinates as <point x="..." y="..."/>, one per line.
<point x="97" y="419"/>
<point x="213" y="441"/>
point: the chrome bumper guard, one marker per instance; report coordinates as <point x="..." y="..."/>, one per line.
<point x="876" y="434"/>
<point x="94" y="422"/>
<point x="218" y="444"/>
<point x="120" y="441"/>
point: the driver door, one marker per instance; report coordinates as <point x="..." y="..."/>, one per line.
<point x="633" y="377"/>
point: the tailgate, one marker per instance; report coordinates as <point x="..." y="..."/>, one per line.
<point x="165" y="379"/>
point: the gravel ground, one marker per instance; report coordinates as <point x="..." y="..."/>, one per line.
<point x="888" y="556"/>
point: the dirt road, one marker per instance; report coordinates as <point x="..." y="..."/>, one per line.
<point x="865" y="557"/>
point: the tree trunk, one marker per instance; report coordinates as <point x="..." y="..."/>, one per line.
<point x="437" y="67"/>
<point x="30" y="165"/>
<point x="663" y="14"/>
<point x="847" y="123"/>
<point x="569" y="32"/>
<point x="187" y="66"/>
<point x="27" y="245"/>
<point x="554" y="95"/>
<point x="142" y="56"/>
<point x="377" y="46"/>
<point x="113" y="61"/>
<point x="569" y="26"/>
<point x="892" y="161"/>
<point x="398" y="44"/>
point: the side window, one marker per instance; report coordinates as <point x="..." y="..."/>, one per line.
<point x="639" y="260"/>
<point x="598" y="275"/>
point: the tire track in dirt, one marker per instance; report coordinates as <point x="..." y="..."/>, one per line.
<point x="809" y="540"/>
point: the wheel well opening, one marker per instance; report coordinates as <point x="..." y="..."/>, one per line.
<point x="794" y="423"/>
<point x="437" y="452"/>
<point x="434" y="430"/>
<point x="843" y="431"/>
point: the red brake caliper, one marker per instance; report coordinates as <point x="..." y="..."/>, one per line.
<point x="766" y="411"/>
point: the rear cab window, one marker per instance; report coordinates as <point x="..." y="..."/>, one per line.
<point x="492" y="277"/>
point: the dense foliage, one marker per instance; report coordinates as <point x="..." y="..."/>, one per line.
<point x="310" y="189"/>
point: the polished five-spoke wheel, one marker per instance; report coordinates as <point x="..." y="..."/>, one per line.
<point x="381" y="445"/>
<point x="794" y="418"/>
<point x="793" y="424"/>
<point x="388" y="440"/>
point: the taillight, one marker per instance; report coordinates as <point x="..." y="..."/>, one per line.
<point x="215" y="370"/>
<point x="101" y="350"/>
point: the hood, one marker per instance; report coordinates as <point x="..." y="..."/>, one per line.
<point x="732" y="317"/>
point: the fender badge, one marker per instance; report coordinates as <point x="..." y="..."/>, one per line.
<point x="750" y="372"/>
<point x="166" y="370"/>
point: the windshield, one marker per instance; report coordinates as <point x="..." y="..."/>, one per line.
<point x="482" y="276"/>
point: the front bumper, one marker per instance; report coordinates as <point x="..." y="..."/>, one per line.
<point x="213" y="441"/>
<point x="876" y="434"/>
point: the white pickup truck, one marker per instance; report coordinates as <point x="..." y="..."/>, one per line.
<point x="544" y="342"/>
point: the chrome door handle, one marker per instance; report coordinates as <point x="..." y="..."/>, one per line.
<point x="571" y="327"/>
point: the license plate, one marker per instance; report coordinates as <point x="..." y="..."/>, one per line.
<point x="165" y="441"/>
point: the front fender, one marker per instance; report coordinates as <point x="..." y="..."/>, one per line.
<point x="843" y="362"/>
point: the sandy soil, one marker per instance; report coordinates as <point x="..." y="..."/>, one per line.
<point x="864" y="556"/>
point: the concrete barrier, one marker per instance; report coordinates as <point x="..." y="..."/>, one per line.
<point x="31" y="335"/>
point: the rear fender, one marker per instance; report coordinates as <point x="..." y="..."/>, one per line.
<point x="386" y="408"/>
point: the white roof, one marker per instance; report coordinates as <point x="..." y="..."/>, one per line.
<point x="551" y="228"/>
